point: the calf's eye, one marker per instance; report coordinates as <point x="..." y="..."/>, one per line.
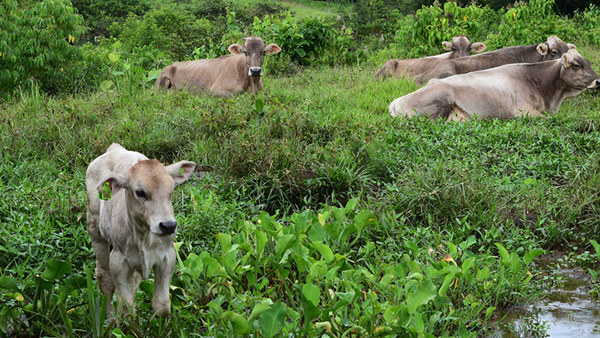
<point x="140" y="193"/>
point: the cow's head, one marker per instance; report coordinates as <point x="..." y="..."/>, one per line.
<point x="460" y="47"/>
<point x="255" y="50"/>
<point x="553" y="48"/>
<point x="577" y="71"/>
<point x="149" y="186"/>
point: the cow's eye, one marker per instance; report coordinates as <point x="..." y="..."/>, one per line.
<point x="576" y="66"/>
<point x="245" y="52"/>
<point x="554" y="52"/>
<point x="141" y="194"/>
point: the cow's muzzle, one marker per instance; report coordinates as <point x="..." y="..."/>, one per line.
<point x="255" y="71"/>
<point x="167" y="228"/>
<point x="595" y="84"/>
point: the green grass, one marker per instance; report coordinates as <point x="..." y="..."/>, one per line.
<point x="325" y="138"/>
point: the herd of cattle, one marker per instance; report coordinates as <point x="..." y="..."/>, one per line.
<point x="130" y="216"/>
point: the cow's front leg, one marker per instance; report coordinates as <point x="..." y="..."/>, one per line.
<point x="163" y="272"/>
<point x="122" y="275"/>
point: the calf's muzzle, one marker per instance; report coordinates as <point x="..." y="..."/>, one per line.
<point x="255" y="71"/>
<point x="168" y="227"/>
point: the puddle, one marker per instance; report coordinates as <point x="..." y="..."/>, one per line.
<point x="568" y="312"/>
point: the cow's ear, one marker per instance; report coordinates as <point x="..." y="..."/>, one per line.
<point x="447" y="45"/>
<point x="478" y="47"/>
<point x="236" y="49"/>
<point x="114" y="183"/>
<point x="542" y="48"/>
<point x="571" y="46"/>
<point x="272" y="49"/>
<point x="180" y="171"/>
<point x="565" y="60"/>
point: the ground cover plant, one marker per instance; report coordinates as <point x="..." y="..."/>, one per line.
<point x="313" y="213"/>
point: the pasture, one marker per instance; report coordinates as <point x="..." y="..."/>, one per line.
<point x="312" y="212"/>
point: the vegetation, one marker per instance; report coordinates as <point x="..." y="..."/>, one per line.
<point x="314" y="213"/>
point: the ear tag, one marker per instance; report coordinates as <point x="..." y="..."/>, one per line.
<point x="105" y="194"/>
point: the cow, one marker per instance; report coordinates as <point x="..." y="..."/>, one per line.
<point x="552" y="49"/>
<point x="227" y="75"/>
<point x="502" y="92"/>
<point x="460" y="46"/>
<point x="131" y="224"/>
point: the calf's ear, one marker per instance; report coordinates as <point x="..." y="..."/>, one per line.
<point x="542" y="48"/>
<point x="114" y="182"/>
<point x="180" y="171"/>
<point x="447" y="45"/>
<point x="236" y="49"/>
<point x="272" y="49"/>
<point x="478" y="47"/>
<point x="571" y="46"/>
<point x="565" y="60"/>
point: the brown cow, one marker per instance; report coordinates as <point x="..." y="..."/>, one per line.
<point x="552" y="49"/>
<point x="460" y="46"/>
<point x="132" y="231"/>
<point x="224" y="76"/>
<point x="502" y="92"/>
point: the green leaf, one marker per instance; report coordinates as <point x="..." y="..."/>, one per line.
<point x="240" y="325"/>
<point x="153" y="75"/>
<point x="325" y="251"/>
<point x="225" y="241"/>
<point x="419" y="323"/>
<point x="283" y="244"/>
<point x="423" y="294"/>
<point x="272" y="320"/>
<point x="113" y="57"/>
<point x="106" y="85"/>
<point x="260" y="308"/>
<point x="311" y="292"/>
<point x="504" y="254"/>
<point x="56" y="269"/>
<point x="261" y="240"/>
<point x="531" y="255"/>
<point x="467" y="264"/>
<point x="596" y="247"/>
<point x="444" y="288"/>
<point x="515" y="263"/>
<point x="9" y="283"/>
<point x="345" y="298"/>
<point x="363" y="218"/>
<point x="259" y="105"/>
<point x="410" y="245"/>
<point x="351" y="205"/>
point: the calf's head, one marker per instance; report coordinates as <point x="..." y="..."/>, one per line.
<point x="577" y="72"/>
<point x="149" y="186"/>
<point x="255" y="50"/>
<point x="460" y="46"/>
<point x="553" y="48"/>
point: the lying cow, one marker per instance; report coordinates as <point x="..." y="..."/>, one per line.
<point x="503" y="92"/>
<point x="460" y="46"/>
<point x="225" y="76"/>
<point x="552" y="49"/>
<point x="132" y="231"/>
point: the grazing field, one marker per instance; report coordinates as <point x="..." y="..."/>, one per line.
<point x="313" y="212"/>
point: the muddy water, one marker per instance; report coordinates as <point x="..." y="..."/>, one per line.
<point x="568" y="312"/>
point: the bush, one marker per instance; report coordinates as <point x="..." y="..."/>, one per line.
<point x="36" y="43"/>
<point x="99" y="15"/>
<point x="588" y="25"/>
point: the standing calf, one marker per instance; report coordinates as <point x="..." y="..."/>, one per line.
<point x="132" y="232"/>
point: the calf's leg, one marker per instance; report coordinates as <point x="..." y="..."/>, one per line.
<point x="161" y="304"/>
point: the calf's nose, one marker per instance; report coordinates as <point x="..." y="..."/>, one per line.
<point x="168" y="227"/>
<point x="255" y="71"/>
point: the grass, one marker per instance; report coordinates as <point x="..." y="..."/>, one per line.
<point x="325" y="137"/>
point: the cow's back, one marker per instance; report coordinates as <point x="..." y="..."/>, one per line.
<point x="205" y="73"/>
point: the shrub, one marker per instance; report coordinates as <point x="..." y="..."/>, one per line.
<point x="36" y="42"/>
<point x="588" y="25"/>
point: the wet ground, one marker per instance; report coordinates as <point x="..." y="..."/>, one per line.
<point x="566" y="312"/>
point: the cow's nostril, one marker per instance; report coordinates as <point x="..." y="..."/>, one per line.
<point x="168" y="227"/>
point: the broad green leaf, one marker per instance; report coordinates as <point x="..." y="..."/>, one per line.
<point x="283" y="244"/>
<point x="489" y="311"/>
<point x="531" y="255"/>
<point x="596" y="247"/>
<point x="225" y="241"/>
<point x="272" y="319"/>
<point x="106" y="85"/>
<point x="362" y="219"/>
<point x="515" y="263"/>
<point x="412" y="247"/>
<point x="56" y="269"/>
<point x="348" y="230"/>
<point x="423" y="294"/>
<point x="345" y="298"/>
<point x="113" y="57"/>
<point x="260" y="308"/>
<point x="504" y="254"/>
<point x="325" y="251"/>
<point x="483" y="274"/>
<point x="153" y="75"/>
<point x="323" y="217"/>
<point x="444" y="288"/>
<point x="312" y="293"/>
<point x="351" y="205"/>
<point x="9" y="283"/>
<point x="259" y="105"/>
<point x="261" y="240"/>
<point x="386" y="280"/>
<point x="467" y="264"/>
<point x="317" y="232"/>
<point x="193" y="266"/>
<point x="419" y="323"/>
<point x="240" y="325"/>
<point x="213" y="268"/>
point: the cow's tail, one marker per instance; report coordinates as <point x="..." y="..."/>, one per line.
<point x="165" y="79"/>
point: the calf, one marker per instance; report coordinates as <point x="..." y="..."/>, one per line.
<point x="503" y="92"/>
<point x="225" y="76"/>
<point x="460" y="46"/>
<point x="132" y="231"/>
